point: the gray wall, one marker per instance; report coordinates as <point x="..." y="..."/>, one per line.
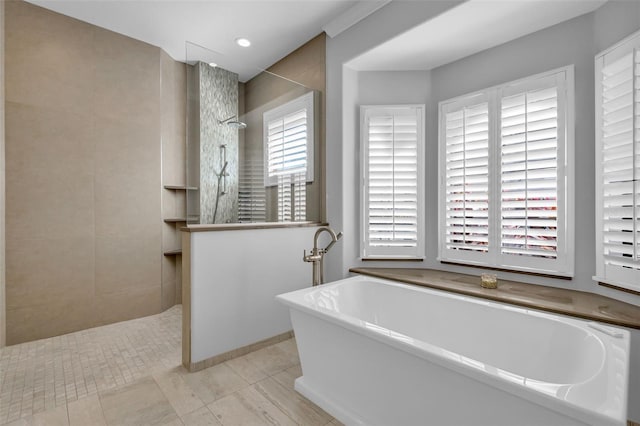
<point x="341" y="151"/>
<point x="572" y="42"/>
<point x="564" y="44"/>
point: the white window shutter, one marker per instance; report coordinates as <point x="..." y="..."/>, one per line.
<point x="467" y="178"/>
<point x="506" y="176"/>
<point x="529" y="173"/>
<point x="288" y="145"/>
<point x="251" y="192"/>
<point x="392" y="139"/>
<point x="618" y="164"/>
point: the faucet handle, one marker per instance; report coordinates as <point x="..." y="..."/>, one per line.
<point x="312" y="257"/>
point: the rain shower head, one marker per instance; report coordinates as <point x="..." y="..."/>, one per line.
<point x="233" y="123"/>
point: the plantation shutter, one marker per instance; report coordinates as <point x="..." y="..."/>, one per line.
<point x="529" y="173"/>
<point x="392" y="139"/>
<point x="619" y="166"/>
<point x="287" y="144"/>
<point x="251" y="191"/>
<point x="506" y="176"/>
<point x="618" y="161"/>
<point x="288" y="136"/>
<point x="467" y="178"/>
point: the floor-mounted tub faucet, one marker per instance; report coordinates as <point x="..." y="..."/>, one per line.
<point x="316" y="256"/>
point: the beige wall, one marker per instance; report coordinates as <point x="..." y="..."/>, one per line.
<point x="2" y="180"/>
<point x="83" y="175"/>
<point x="305" y="65"/>
<point x="173" y="133"/>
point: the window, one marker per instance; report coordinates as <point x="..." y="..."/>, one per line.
<point x="618" y="164"/>
<point x="506" y="176"/>
<point x="251" y="191"/>
<point x="288" y="136"/>
<point x="392" y="197"/>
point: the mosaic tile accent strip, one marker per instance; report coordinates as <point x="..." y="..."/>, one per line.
<point x="218" y="101"/>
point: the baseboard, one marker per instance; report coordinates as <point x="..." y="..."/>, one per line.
<point x="218" y="359"/>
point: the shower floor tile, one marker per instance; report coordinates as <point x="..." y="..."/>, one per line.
<point x="131" y="373"/>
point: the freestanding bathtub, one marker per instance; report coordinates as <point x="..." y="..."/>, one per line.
<point x="378" y="352"/>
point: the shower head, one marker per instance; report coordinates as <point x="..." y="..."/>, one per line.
<point x="237" y="124"/>
<point x="233" y="123"/>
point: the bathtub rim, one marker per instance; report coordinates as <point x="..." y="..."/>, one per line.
<point x="582" y="411"/>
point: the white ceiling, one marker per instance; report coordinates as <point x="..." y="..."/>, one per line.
<point x="275" y="28"/>
<point x="206" y="29"/>
<point x="471" y="27"/>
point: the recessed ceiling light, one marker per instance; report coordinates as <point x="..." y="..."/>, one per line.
<point x="213" y="64"/>
<point x="243" y="42"/>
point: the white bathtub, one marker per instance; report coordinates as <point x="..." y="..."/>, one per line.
<point x="378" y="352"/>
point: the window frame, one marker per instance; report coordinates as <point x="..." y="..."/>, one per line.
<point x="368" y="252"/>
<point x="306" y="101"/>
<point x="626" y="278"/>
<point x="563" y="264"/>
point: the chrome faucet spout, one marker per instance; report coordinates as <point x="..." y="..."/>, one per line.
<point x="333" y="241"/>
<point x="316" y="257"/>
<point x="334" y="237"/>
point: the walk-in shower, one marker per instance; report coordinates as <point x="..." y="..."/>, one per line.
<point x="250" y="145"/>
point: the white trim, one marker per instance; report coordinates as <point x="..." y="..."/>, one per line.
<point x="617" y="283"/>
<point x="352" y="16"/>
<point x="418" y="252"/>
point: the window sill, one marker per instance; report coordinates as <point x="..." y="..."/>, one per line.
<point x="615" y="286"/>
<point x="515" y="271"/>
<point x="574" y="303"/>
<point x="392" y="259"/>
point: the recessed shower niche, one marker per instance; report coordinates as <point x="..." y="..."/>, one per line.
<point x="254" y="143"/>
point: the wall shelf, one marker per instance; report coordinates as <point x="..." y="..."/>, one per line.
<point x="181" y="187"/>
<point x="175" y="252"/>
<point x="175" y="219"/>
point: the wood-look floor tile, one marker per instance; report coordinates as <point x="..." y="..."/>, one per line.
<point x="54" y="417"/>
<point x="25" y="421"/>
<point x="141" y="403"/>
<point x="272" y="359"/>
<point x="335" y="422"/>
<point x="200" y="417"/>
<point x="288" y="377"/>
<point x="290" y="347"/>
<point x="181" y="397"/>
<point x="248" y="407"/>
<point x="86" y="411"/>
<point x="247" y="369"/>
<point x="214" y="382"/>
<point x="292" y="403"/>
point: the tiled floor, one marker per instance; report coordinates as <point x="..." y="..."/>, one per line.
<point x="130" y="374"/>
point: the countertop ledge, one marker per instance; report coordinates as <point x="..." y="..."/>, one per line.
<point x="574" y="303"/>
<point x="249" y="225"/>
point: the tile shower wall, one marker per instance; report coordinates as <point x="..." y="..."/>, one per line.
<point x="83" y="175"/>
<point x="218" y="95"/>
